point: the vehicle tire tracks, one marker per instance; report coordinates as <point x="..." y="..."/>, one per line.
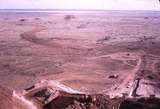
<point x="32" y="37"/>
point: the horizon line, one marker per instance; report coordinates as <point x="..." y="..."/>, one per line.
<point x="41" y="9"/>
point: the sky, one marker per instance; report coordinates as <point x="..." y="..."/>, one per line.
<point x="81" y="4"/>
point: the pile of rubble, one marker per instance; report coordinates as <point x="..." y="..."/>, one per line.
<point x="53" y="95"/>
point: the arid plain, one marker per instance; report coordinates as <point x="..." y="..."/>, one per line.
<point x="107" y="53"/>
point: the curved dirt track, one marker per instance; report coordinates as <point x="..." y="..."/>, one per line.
<point x="121" y="88"/>
<point x="32" y="37"/>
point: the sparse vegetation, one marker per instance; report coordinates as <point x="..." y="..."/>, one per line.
<point x="146" y="17"/>
<point x="22" y="20"/>
<point x="106" y="38"/>
<point x="69" y="17"/>
<point x="81" y="26"/>
<point x="37" y="18"/>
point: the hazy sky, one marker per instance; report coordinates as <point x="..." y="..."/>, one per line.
<point x="81" y="4"/>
